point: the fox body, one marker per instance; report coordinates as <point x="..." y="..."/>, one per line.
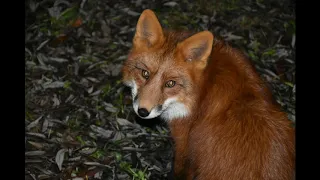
<point x="221" y="115"/>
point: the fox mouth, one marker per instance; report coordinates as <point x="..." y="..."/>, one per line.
<point x="170" y="109"/>
<point x="144" y="114"/>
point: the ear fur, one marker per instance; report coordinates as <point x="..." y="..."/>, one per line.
<point x="197" y="48"/>
<point x="148" y="30"/>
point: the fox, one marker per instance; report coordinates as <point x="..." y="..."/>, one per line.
<point x="222" y="116"/>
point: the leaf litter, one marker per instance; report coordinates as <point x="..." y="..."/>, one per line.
<point x="77" y="115"/>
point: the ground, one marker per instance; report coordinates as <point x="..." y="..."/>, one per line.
<point x="79" y="120"/>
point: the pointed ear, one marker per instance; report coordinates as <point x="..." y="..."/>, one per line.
<point x="148" y="30"/>
<point x="197" y="48"/>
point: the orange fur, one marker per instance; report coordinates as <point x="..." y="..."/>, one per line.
<point x="234" y="129"/>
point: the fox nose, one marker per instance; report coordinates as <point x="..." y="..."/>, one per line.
<point x="143" y="112"/>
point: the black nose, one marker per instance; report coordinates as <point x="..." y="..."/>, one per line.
<point x="143" y="112"/>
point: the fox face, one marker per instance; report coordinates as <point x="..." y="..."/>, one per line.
<point x="157" y="90"/>
<point x="158" y="86"/>
<point x="163" y="69"/>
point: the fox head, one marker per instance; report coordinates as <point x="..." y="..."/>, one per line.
<point x="164" y="69"/>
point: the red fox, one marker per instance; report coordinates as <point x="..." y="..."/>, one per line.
<point x="222" y="117"/>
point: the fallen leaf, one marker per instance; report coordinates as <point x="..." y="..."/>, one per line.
<point x="34" y="153"/>
<point x="60" y="157"/>
<point x="77" y="22"/>
<point x="53" y="85"/>
<point x="102" y="132"/>
<point x="170" y="4"/>
<point x="34" y="123"/>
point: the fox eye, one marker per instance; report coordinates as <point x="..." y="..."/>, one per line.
<point x="170" y="84"/>
<point x="145" y="74"/>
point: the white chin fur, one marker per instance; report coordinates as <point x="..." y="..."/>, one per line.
<point x="174" y="111"/>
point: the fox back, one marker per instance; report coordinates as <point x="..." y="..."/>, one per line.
<point x="222" y="117"/>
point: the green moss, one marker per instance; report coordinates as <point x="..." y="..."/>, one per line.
<point x="98" y="154"/>
<point x="29" y="116"/>
<point x="137" y="174"/>
<point x="80" y="140"/>
<point x="67" y="85"/>
<point x="269" y="53"/>
<point x="253" y="56"/>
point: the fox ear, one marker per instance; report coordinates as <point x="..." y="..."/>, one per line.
<point x="197" y="48"/>
<point x="148" y="30"/>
